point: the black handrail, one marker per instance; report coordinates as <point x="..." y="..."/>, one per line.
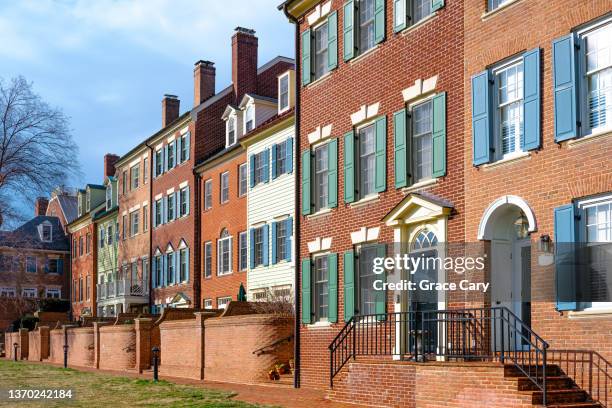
<point x="485" y="334"/>
<point x="274" y="345"/>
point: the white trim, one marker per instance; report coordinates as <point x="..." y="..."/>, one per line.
<point x="133" y="163"/>
<point x="489" y="13"/>
<point x="170" y="191"/>
<point x="145" y="156"/>
<point x="365" y="235"/>
<point x="158" y="196"/>
<point x="159" y="147"/>
<point x="320" y="11"/>
<point x="364" y="113"/>
<point x="184" y="130"/>
<point x="320" y="133"/>
<point x="170" y="139"/>
<point x="420" y="88"/>
<point x="319" y="244"/>
<point x="184" y="184"/>
<point x="144" y="203"/>
<point x="134" y="208"/>
<point x="507" y="199"/>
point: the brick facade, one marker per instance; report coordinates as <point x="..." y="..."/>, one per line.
<point x="83" y="266"/>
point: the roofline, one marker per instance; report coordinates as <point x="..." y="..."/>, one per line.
<point x="219" y="157"/>
<point x="279" y="123"/>
<point x="60" y="206"/>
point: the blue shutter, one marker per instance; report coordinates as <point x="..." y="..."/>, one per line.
<point x="178" y="150"/>
<point x="332" y="264"/>
<point x="565" y="271"/>
<point x="252" y="246"/>
<point x="187" y="267"/>
<point x="332" y="174"/>
<point x="481" y="119"/>
<point x="60" y="266"/>
<point x="266" y="243"/>
<point x="165" y="158"/>
<point x="164" y="280"/>
<point x="306" y="186"/>
<point x="306" y="62"/>
<point x="252" y="170"/>
<point x="274" y="148"/>
<point x="188" y="144"/>
<point x="349" y="167"/>
<point x="154" y="212"/>
<point x="436" y="4"/>
<point x="380" y="173"/>
<point x="289" y="155"/>
<point x="531" y="100"/>
<point x="379" y="20"/>
<point x="439" y="135"/>
<point x="154" y="164"/>
<point x="187" y="198"/>
<point x="564" y="87"/>
<point x="332" y="40"/>
<point x="347" y="30"/>
<point x="274" y="225"/>
<point x="288" y="238"/>
<point x="349" y="285"/>
<point x="165" y="210"/>
<point x="154" y="272"/>
<point x="266" y="166"/>
<point x="401" y="149"/>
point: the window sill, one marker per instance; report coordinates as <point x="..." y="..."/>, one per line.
<point x="509" y="160"/>
<point x="420" y="23"/>
<point x="323" y="324"/>
<point x="363" y="56"/>
<point x="590" y="313"/>
<point x="221" y="275"/>
<point x="317" y="81"/>
<point x="420" y="185"/>
<point x="589" y="138"/>
<point x="365" y="201"/>
<point x="487" y="14"/>
<point x="320" y="213"/>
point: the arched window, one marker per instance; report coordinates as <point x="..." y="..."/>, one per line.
<point x="224" y="253"/>
<point x="424" y="240"/>
<point x="425" y="252"/>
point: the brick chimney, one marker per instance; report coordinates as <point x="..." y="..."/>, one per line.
<point x="40" y="206"/>
<point x="170" y="109"/>
<point x="109" y="164"/>
<point x="244" y="62"/>
<point x="203" y="81"/>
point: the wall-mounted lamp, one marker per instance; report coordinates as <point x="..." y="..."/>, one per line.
<point x="545" y="244"/>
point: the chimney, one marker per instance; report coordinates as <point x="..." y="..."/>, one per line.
<point x="203" y="81"/>
<point x="40" y="206"/>
<point x="170" y="109"/>
<point x="244" y="62"/>
<point x="109" y="164"/>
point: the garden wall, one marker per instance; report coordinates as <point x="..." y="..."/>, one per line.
<point x="117" y="347"/>
<point x="80" y="342"/>
<point x="38" y="343"/>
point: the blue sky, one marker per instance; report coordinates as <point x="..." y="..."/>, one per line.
<point x="108" y="63"/>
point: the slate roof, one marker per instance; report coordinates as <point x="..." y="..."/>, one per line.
<point x="27" y="236"/>
<point x="70" y="207"/>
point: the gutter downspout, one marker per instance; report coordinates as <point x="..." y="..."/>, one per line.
<point x="150" y="209"/>
<point x="296" y="244"/>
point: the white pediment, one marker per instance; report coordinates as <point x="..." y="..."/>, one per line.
<point x="415" y="209"/>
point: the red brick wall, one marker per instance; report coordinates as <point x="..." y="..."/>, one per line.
<point x="117" y="347"/>
<point x="22" y="339"/>
<point x="80" y="346"/>
<point x="434" y="48"/>
<point x="56" y="346"/>
<point x="551" y="176"/>
<point x="231" y="216"/>
<point x="38" y="344"/>
<point x="84" y="267"/>
<point x="54" y="209"/>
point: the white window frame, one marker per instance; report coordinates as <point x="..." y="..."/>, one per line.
<point x="317" y="206"/>
<point x="207" y="259"/>
<point x="109" y="196"/>
<point x="183" y="194"/>
<point x="158" y="211"/>
<point x="243" y="185"/>
<point x="249" y="116"/>
<point x="224" y="187"/>
<point x="281" y="92"/>
<point x="53" y="292"/>
<point x="28" y="292"/>
<point x="46" y="226"/>
<point x="170" y="210"/>
<point x="134" y="223"/>
<point x="182" y="272"/>
<point x="8" y="292"/>
<point x="315" y="306"/>
<point x="208" y="194"/>
<point x="135" y="180"/>
<point x="227" y="240"/>
<point x="357" y="160"/>
<point x="222" y="302"/>
<point x="208" y="304"/>
<point x="324" y="51"/>
<point x="243" y="246"/>
<point x="231" y="125"/>
<point x="35" y="264"/>
<point x="411" y="109"/>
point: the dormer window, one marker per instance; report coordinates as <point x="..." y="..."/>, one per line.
<point x="249" y="121"/>
<point x="80" y="204"/>
<point x="283" y="93"/>
<point x="87" y="201"/>
<point x="109" y="197"/>
<point x="231" y="131"/>
<point x="46" y="232"/>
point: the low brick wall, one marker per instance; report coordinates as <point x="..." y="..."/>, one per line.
<point x="405" y="384"/>
<point x="38" y="344"/>
<point x="80" y="346"/>
<point x="22" y="339"/>
<point x="117" y="347"/>
<point x="56" y="346"/>
<point x="231" y="340"/>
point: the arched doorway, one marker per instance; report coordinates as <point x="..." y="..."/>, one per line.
<point x="507" y="224"/>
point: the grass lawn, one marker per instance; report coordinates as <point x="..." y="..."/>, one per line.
<point x="101" y="390"/>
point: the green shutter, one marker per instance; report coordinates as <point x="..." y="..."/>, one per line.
<point x="400" y="149"/>
<point x="332" y="174"/>
<point x="306" y="292"/>
<point x="332" y="265"/>
<point x="347" y="30"/>
<point x="349" y="285"/>
<point x="399" y="6"/>
<point x="381" y="295"/>
<point x="349" y="167"/>
<point x="439" y="135"/>
<point x="380" y="174"/>
<point x="436" y="4"/>
<point x="306" y="186"/>
<point x="379" y="21"/>
<point x="332" y="40"/>
<point x="306" y="64"/>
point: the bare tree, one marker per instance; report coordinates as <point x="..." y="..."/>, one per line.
<point x="37" y="151"/>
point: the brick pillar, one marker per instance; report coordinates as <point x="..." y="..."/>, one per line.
<point x="44" y="342"/>
<point x="23" y="341"/>
<point x="143" y="343"/>
<point x="96" y="335"/>
<point x="200" y="331"/>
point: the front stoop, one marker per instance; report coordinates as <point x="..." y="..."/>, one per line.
<point x="562" y="392"/>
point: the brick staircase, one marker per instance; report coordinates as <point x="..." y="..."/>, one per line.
<point x="562" y="391"/>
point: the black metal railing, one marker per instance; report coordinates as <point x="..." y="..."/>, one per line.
<point x="475" y="334"/>
<point x="588" y="370"/>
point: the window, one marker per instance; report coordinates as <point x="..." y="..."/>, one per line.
<point x="224" y="254"/>
<point x="46" y="233"/>
<point x="281" y="240"/>
<point x="509" y="109"/>
<point x="184" y="154"/>
<point x="135" y="176"/>
<point x="80" y="289"/>
<point x="170" y="215"/>
<point x="598" y="78"/>
<point x="183" y="265"/>
<point x="242" y="251"/>
<point x="80" y="204"/>
<point x="184" y="201"/>
<point x="145" y="218"/>
<point x="31" y="264"/>
<point x="117" y="232"/>
<point x="101" y="238"/>
<point x="28" y="292"/>
<point x="225" y="187"/>
<point x="258" y="246"/>
<point x="365" y="9"/>
<point x="124" y="183"/>
<point x="81" y="252"/>
<point x="493" y="4"/>
<point x="208" y="194"/>
<point x="208" y="304"/>
<point x="171" y="147"/>
<point x="158" y="273"/>
<point x="207" y="259"/>
<point x="134" y="274"/>
<point x="321" y="288"/>
<point x="242" y="180"/>
<point x="249" y="120"/>
<point x="170" y="267"/>
<point x="422" y="141"/>
<point x="223" y="302"/>
<point x="54" y="293"/>
<point x="231" y="131"/>
<point x="88" y="201"/>
<point x="7" y="292"/>
<point x="260" y="163"/>
<point x="109" y="234"/>
<point x="158" y="212"/>
<point x="321" y="66"/>
<point x="145" y="271"/>
<point x="321" y="177"/>
<point x="421" y="9"/>
<point x="159" y="162"/>
<point x="145" y="170"/>
<point x="134" y="220"/>
<point x="109" y="197"/>
<point x="367" y="160"/>
<point x="366" y="295"/>
<point x="282" y="152"/>
<point x="87" y="287"/>
<point x="88" y="243"/>
<point x="125" y="226"/>
<point x="283" y="93"/>
<point x="74" y="248"/>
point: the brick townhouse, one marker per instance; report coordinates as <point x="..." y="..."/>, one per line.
<point x="221" y="162"/>
<point x="133" y="173"/>
<point x="34" y="264"/>
<point x="380" y="153"/>
<point x="63" y="205"/>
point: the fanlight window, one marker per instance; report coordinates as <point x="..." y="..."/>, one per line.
<point x="425" y="239"/>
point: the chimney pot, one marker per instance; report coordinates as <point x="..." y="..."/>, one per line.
<point x="204" y="74"/>
<point x="244" y="62"/>
<point x="170" y="109"/>
<point x="109" y="164"/>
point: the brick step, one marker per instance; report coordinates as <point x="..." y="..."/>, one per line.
<point x="562" y="382"/>
<point x="560" y="396"/>
<point x="551" y="370"/>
